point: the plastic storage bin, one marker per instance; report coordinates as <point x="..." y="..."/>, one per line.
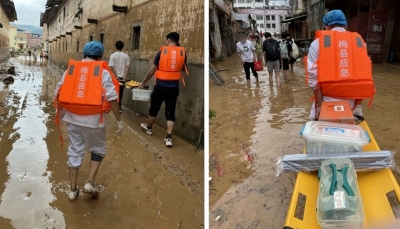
<point x="339" y="204"/>
<point x="141" y="95"/>
<point x="338" y="111"/>
<point x="329" y="137"/>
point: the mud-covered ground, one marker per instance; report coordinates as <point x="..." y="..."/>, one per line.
<point x="267" y="118"/>
<point x="143" y="183"/>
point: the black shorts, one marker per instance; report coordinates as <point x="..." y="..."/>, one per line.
<point x="168" y="95"/>
<point x="292" y="61"/>
<point x="285" y="63"/>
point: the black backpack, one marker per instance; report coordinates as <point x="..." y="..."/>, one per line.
<point x="271" y="47"/>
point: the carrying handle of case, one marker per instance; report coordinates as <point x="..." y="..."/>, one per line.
<point x="346" y="185"/>
<point x="334" y="179"/>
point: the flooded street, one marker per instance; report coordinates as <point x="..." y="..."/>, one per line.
<point x="143" y="184"/>
<point x="267" y="118"/>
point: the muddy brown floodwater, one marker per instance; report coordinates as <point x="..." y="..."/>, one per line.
<point x="143" y="184"/>
<point x="267" y="118"/>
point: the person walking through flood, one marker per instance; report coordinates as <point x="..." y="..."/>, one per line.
<point x="41" y="55"/>
<point x="247" y="54"/>
<point x="295" y="52"/>
<point x="87" y="128"/>
<point x="286" y="53"/>
<point x="334" y="57"/>
<point x="119" y="64"/>
<point x="30" y="53"/>
<point x="34" y="55"/>
<point x="272" y="55"/>
<point x="259" y="51"/>
<point x="167" y="67"/>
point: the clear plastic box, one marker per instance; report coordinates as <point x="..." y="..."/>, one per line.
<point x="339" y="204"/>
<point x="329" y="137"/>
<point x="141" y="95"/>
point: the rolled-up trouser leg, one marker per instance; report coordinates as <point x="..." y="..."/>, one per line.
<point x="80" y="138"/>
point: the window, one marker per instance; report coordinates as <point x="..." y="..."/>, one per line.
<point x="259" y="0"/>
<point x="66" y="46"/>
<point x="102" y="38"/>
<point x="267" y="17"/>
<point x="77" y="46"/>
<point x="90" y="37"/>
<point x="261" y="26"/>
<point x="273" y="26"/>
<point x="273" y="17"/>
<point x="268" y="26"/>
<point x="259" y="17"/>
<point x="64" y="13"/>
<point x="135" y="38"/>
<point x="248" y="1"/>
<point x="241" y="1"/>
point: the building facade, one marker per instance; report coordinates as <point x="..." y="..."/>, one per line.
<point x="21" y="39"/>
<point x="34" y="41"/>
<point x="222" y="23"/>
<point x="142" y="25"/>
<point x="7" y="15"/>
<point x="13" y="38"/>
<point x="296" y="23"/>
<point x="265" y="23"/>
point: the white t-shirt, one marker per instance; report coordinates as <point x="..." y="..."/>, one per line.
<point x="119" y="61"/>
<point x="246" y="50"/>
<point x="92" y="121"/>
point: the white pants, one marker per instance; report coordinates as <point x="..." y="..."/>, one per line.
<point x="356" y="111"/>
<point x="80" y="137"/>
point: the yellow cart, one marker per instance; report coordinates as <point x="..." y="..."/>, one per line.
<point x="376" y="188"/>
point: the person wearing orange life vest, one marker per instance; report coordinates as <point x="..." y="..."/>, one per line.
<point x="344" y="70"/>
<point x="86" y="122"/>
<point x="167" y="67"/>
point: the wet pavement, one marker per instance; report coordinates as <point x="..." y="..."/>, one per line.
<point x="256" y="123"/>
<point x="143" y="184"/>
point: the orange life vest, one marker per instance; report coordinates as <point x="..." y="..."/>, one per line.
<point x="82" y="91"/>
<point x="344" y="68"/>
<point x="172" y="59"/>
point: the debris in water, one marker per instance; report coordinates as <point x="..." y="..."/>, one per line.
<point x="217" y="218"/>
<point x="11" y="71"/>
<point x="8" y="80"/>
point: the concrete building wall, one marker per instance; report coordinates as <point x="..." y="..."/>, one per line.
<point x="45" y="38"/>
<point x="156" y="19"/>
<point x="34" y="41"/>
<point x="22" y="40"/>
<point x="215" y="35"/>
<point x="4" y="35"/>
<point x="13" y="38"/>
<point x="221" y="29"/>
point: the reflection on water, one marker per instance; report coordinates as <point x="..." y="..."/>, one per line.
<point x="28" y="188"/>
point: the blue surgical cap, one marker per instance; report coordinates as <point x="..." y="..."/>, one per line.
<point x="93" y="48"/>
<point x="335" y="17"/>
